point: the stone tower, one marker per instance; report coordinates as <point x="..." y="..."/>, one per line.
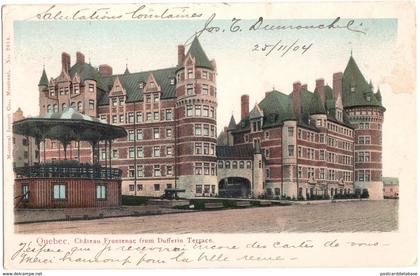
<point x="196" y="134"/>
<point x="365" y="112"/>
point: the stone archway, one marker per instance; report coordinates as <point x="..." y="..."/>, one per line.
<point x="237" y="187"/>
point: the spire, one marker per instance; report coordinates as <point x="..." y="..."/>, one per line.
<point x="378" y="96"/>
<point x="232" y="123"/>
<point x="44" y="79"/>
<point x="197" y="52"/>
<point x="126" y="69"/>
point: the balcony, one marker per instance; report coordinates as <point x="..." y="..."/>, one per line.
<point x="67" y="169"/>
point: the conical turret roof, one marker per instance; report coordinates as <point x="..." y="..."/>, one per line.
<point x="44" y="79"/>
<point x="232" y="123"/>
<point x="197" y="52"/>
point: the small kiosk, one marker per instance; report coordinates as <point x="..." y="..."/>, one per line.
<point x="68" y="183"/>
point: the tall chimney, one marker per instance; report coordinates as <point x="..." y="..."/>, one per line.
<point x="80" y="58"/>
<point x="337" y="84"/>
<point x="181" y="54"/>
<point x="244" y="106"/>
<point x="296" y="97"/>
<point x="65" y="62"/>
<point x="105" y="70"/>
<point x="319" y="86"/>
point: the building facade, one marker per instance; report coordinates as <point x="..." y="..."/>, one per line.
<point x="299" y="145"/>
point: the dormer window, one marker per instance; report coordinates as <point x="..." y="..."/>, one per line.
<point x="141" y="85"/>
<point x="156" y="97"/>
<point x="121" y="101"/>
<point x="114" y="101"/>
<point x="256" y="125"/>
<point x="368" y="98"/>
<point x="172" y="81"/>
<point x="76" y="90"/>
<point x="52" y="92"/>
<point x="148" y="98"/>
<point x="353" y="89"/>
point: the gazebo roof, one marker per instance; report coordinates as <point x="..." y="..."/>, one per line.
<point x="68" y="125"/>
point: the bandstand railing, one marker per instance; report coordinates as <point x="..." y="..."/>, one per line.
<point x="68" y="170"/>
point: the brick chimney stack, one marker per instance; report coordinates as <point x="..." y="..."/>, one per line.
<point x="80" y="58"/>
<point x="181" y="54"/>
<point x="244" y="106"/>
<point x="65" y="62"/>
<point x="319" y="86"/>
<point x="337" y="84"/>
<point x="296" y="97"/>
<point x="105" y="70"/>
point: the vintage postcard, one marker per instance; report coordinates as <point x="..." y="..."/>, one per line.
<point x="212" y="135"/>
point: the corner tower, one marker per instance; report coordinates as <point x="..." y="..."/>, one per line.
<point x="365" y="112"/>
<point x="196" y="134"/>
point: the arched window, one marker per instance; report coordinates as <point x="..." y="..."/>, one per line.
<point x="241" y="164"/>
<point x="63" y="106"/>
<point x="79" y="106"/>
<point x="227" y="165"/>
<point x="73" y="105"/>
<point x="248" y="164"/>
<point x="49" y="108"/>
<point x="234" y="164"/>
<point x="55" y="108"/>
<point x="220" y="164"/>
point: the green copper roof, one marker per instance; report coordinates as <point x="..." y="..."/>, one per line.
<point x="87" y="72"/>
<point x="356" y="90"/>
<point x="131" y="84"/>
<point x="232" y="123"/>
<point x="44" y="79"/>
<point x="196" y="51"/>
<point x="317" y="107"/>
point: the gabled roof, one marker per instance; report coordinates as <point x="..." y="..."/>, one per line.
<point x="256" y="112"/>
<point x="44" y="79"/>
<point x="356" y="90"/>
<point x="197" y="52"/>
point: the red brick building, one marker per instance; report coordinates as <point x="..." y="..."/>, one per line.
<point x="314" y="144"/>
<point x="169" y="115"/>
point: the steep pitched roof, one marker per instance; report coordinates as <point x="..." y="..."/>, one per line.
<point x="131" y="83"/>
<point x="197" y="52"/>
<point x="232" y="123"/>
<point x="87" y="72"/>
<point x="356" y="90"/>
<point x="256" y="112"/>
<point x="317" y="107"/>
<point x="44" y="79"/>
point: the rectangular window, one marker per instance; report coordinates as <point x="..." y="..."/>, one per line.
<point x="114" y="119"/>
<point x="322" y="173"/>
<point x="299" y="172"/>
<point x="59" y="191"/>
<point x="157" y="187"/>
<point x="198" y="110"/>
<point x="189" y="89"/>
<point x="139" y="117"/>
<point x="205" y="75"/>
<point x="121" y="101"/>
<point x="212" y="114"/>
<point x="168" y="132"/>
<point x="156" y="151"/>
<point x="131" y="152"/>
<point x="291" y="150"/>
<point x="131" y="117"/>
<point x="205" y="90"/>
<point x="168" y="114"/>
<point x="91" y="87"/>
<point x="197" y="130"/>
<point x="206" y="148"/>
<point x="198" y="168"/>
<point x="189" y="110"/>
<point x="114" y="154"/>
<point x="156" y="116"/>
<point x="206" y="168"/>
<point x="131" y="188"/>
<point x="148" y="116"/>
<point x="121" y="118"/>
<point x="156" y="133"/>
<point x="169" y="170"/>
<point x="290" y="131"/>
<point x="139" y="134"/>
<point x="156" y="97"/>
<point x="131" y="135"/>
<point x="190" y="73"/>
<point x="139" y="187"/>
<point x="100" y="191"/>
<point x="205" y="111"/>
<point x="206" y="130"/>
<point x="169" y="151"/>
<point x="148" y="98"/>
<point x="321" y="155"/>
<point x="197" y="148"/>
<point x="198" y="189"/>
<point x="140" y="171"/>
<point x="114" y="101"/>
<point x="139" y="152"/>
<point x="212" y="147"/>
<point x="212" y="132"/>
<point x="156" y="170"/>
<point x="91" y="104"/>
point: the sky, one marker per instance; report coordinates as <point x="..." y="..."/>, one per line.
<point x="145" y="45"/>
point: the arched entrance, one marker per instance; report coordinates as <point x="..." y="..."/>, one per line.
<point x="234" y="187"/>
